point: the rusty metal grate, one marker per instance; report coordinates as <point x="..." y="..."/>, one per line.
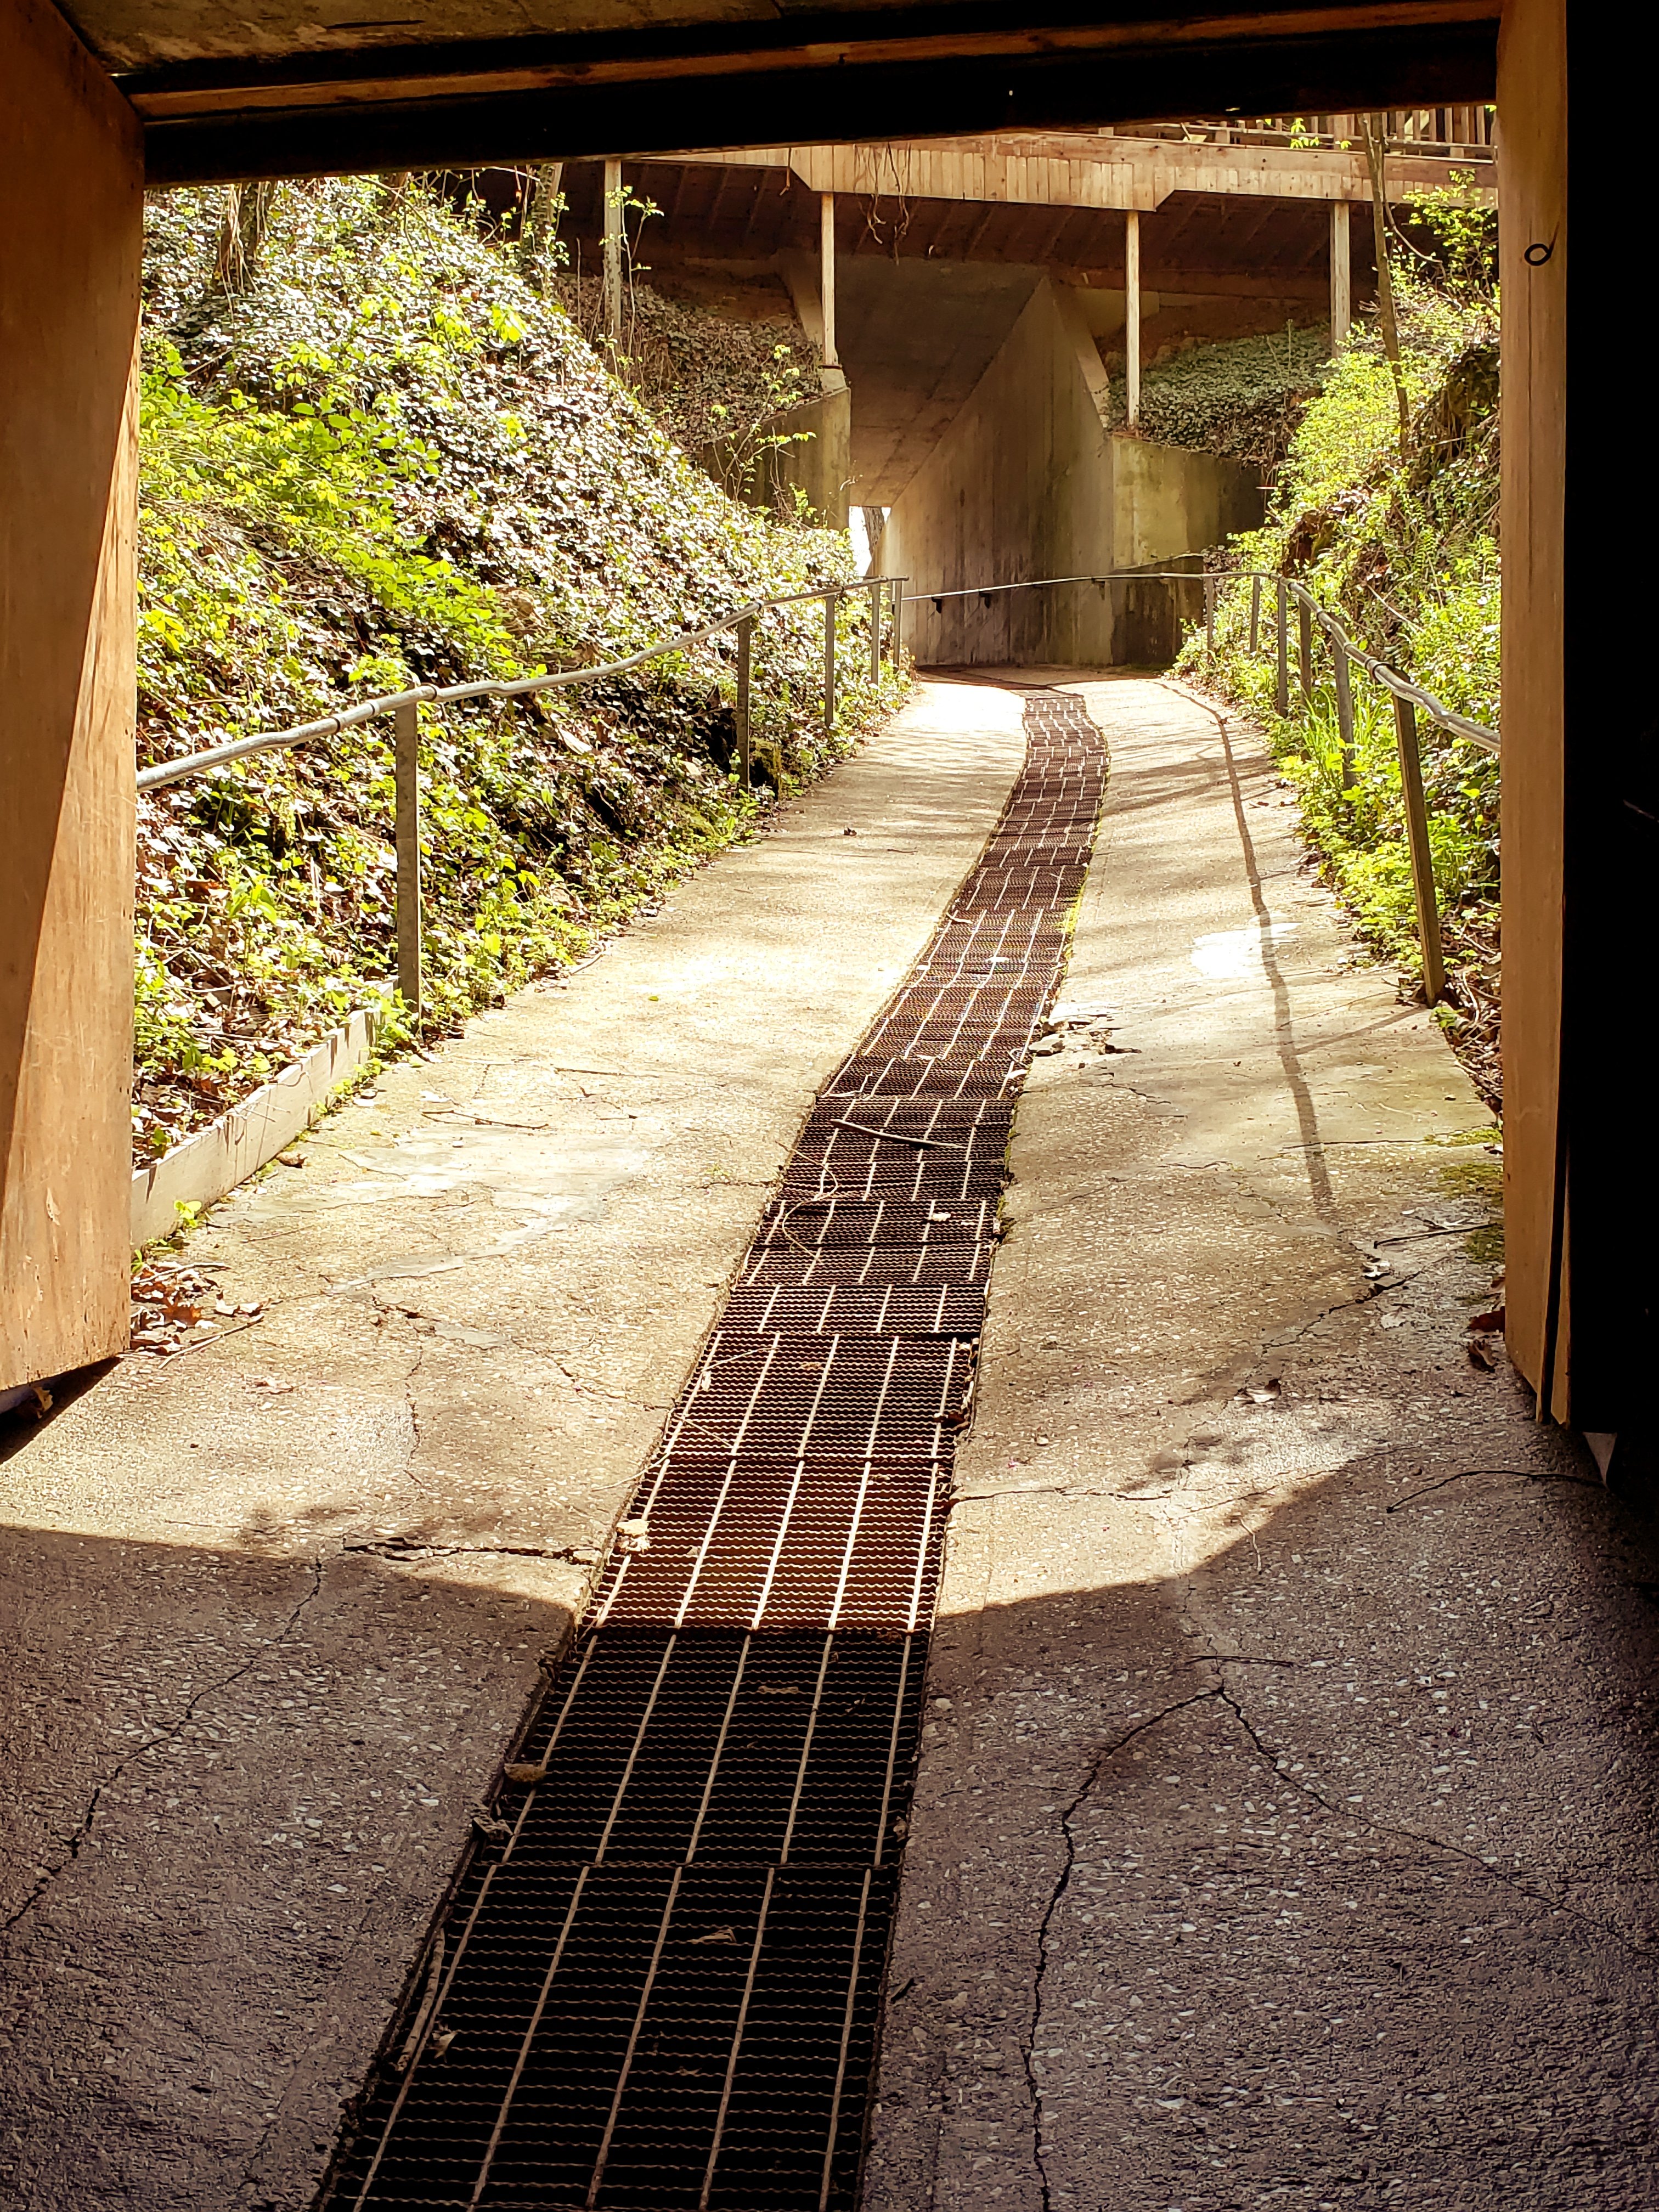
<point x="660" y="1989"/>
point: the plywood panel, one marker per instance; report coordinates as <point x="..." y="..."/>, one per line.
<point x="69" y="300"/>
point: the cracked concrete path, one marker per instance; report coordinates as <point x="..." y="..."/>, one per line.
<point x="1285" y="1830"/>
<point x="272" y="1610"/>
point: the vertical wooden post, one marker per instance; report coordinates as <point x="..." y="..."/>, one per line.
<point x="1417" y="837"/>
<point x="1343" y="710"/>
<point x="877" y="593"/>
<point x="1255" y="616"/>
<point x="831" y="601"/>
<point x="73" y="167"/>
<point x="827" y="276"/>
<point x="1304" y="644"/>
<point x="613" y="246"/>
<point x="1282" y="678"/>
<point x="897" y="647"/>
<point x="406" y="785"/>
<point x="1132" y="315"/>
<point x="1341" y="276"/>
<point x="745" y="642"/>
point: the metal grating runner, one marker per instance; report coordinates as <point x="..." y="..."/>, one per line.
<point x="662" y="1991"/>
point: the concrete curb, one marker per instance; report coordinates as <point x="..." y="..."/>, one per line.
<point x="216" y="1158"/>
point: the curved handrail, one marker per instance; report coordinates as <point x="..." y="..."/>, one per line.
<point x="1403" y="687"/>
<point x="175" y="771"/>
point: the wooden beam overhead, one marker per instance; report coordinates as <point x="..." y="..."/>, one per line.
<point x="873" y="73"/>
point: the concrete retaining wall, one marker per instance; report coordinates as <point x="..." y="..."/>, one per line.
<point x="214" y="1161"/>
<point x="1028" y="482"/>
<point x="818" y="460"/>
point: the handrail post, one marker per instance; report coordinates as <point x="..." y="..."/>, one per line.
<point x="1209" y="614"/>
<point x="1343" y="710"/>
<point x="1282" y="677"/>
<point x="878" y="592"/>
<point x="406" y="797"/>
<point x="1417" y="837"/>
<point x="746" y="637"/>
<point x="831" y="601"/>
<point x="1255" y="616"/>
<point x="1304" y="642"/>
<point x="895" y="647"/>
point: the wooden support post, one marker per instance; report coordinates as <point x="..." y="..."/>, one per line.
<point x="1282" y="678"/>
<point x="827" y="276"/>
<point x="1304" y="644"/>
<point x="1417" y="837"/>
<point x="1341" y="276"/>
<point x="1343" y="710"/>
<point x="831" y="601"/>
<point x="877" y="593"/>
<point x="1255" y="616"/>
<point x="897" y="647"/>
<point x="1132" y="315"/>
<point x="745" y="647"/>
<point x="613" y="247"/>
<point x="73" y="167"/>
<point x="406" y="787"/>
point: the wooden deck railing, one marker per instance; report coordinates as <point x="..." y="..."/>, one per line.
<point x="1462" y="133"/>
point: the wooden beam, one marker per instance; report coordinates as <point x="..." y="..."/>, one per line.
<point x="1341" y="278"/>
<point x="613" y="246"/>
<point x="1132" y="315"/>
<point x="566" y="99"/>
<point x="827" y="276"/>
<point x="71" y="167"/>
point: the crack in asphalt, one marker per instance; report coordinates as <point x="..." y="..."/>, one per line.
<point x="1219" y="1694"/>
<point x="1419" y="1837"/>
<point x="1039" y="2151"/>
<point x="167" y="1734"/>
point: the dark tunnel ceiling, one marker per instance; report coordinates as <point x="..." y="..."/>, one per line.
<point x="271" y="88"/>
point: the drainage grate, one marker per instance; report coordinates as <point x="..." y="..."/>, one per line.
<point x="662" y="1991"/>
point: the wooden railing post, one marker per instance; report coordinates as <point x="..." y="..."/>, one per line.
<point x="831" y="601"/>
<point x="1343" y="710"/>
<point x="878" y="592"/>
<point x="1304" y="642"/>
<point x="1417" y="837"/>
<point x="406" y="796"/>
<point x="897" y="646"/>
<point x="745" y="641"/>
<point x="1255" y="616"/>
<point x="1282" y="675"/>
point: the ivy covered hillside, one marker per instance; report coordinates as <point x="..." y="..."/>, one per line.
<point x="376" y="451"/>
<point x="1386" y="510"/>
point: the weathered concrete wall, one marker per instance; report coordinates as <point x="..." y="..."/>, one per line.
<point x="1028" y="483"/>
<point x="817" y="460"/>
<point x="72" y="173"/>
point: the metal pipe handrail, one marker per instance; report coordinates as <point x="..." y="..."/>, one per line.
<point x="1402" y="687"/>
<point x="166" y="772"/>
<point x="404" y="706"/>
<point x="1409" y="700"/>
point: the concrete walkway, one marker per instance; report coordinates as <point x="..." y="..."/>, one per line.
<point x="1285" y="1834"/>
<point x="272" y="1610"/>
